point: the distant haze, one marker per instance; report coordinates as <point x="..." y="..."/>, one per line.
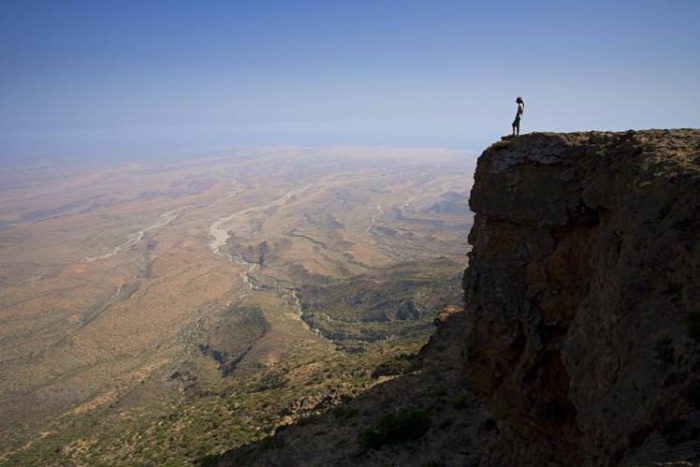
<point x="105" y="78"/>
<point x="17" y="147"/>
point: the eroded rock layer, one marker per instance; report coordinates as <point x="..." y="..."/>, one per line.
<point x="583" y="299"/>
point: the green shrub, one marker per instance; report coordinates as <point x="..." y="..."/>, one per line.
<point x="398" y="427"/>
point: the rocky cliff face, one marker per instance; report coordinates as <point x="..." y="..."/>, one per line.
<point x="583" y="298"/>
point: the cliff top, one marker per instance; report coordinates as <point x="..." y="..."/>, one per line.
<point x="545" y="147"/>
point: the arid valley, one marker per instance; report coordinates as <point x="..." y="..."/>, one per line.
<point x="165" y="310"/>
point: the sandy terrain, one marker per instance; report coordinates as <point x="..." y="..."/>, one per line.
<point x="114" y="276"/>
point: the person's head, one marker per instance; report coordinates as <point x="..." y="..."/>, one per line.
<point x="519" y="100"/>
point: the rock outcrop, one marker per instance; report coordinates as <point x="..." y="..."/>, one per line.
<point x="583" y="299"/>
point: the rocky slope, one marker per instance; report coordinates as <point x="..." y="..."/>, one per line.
<point x="418" y="415"/>
<point x="582" y="297"/>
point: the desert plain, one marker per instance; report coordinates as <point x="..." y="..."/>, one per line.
<point x="136" y="288"/>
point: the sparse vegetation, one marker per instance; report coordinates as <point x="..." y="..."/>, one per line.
<point x="399" y="365"/>
<point x="200" y="425"/>
<point x="208" y="266"/>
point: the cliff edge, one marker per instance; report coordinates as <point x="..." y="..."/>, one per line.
<point x="582" y="299"/>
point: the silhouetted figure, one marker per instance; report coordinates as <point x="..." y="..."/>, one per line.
<point x="518" y="114"/>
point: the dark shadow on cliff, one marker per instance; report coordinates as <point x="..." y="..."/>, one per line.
<point x="583" y="290"/>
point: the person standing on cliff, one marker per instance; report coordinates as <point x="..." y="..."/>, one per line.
<point x="518" y="114"/>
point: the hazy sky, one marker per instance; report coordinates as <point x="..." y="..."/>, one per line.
<point x="96" y="73"/>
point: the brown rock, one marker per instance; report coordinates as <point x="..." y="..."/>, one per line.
<point x="581" y="297"/>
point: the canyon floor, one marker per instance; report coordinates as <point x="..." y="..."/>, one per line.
<point x="165" y="310"/>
